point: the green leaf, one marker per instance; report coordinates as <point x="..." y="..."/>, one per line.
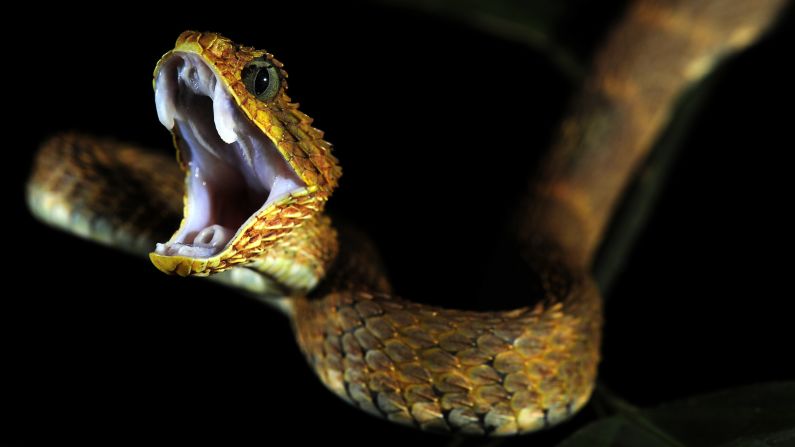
<point x="757" y="415"/>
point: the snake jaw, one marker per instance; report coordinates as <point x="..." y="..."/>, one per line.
<point x="242" y="193"/>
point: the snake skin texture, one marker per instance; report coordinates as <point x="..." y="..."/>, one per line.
<point x="106" y="191"/>
<point x="449" y="370"/>
<point x="479" y="373"/>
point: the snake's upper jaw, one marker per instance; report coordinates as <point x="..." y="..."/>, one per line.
<point x="234" y="170"/>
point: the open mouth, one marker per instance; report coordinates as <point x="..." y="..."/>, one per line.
<point x="235" y="170"/>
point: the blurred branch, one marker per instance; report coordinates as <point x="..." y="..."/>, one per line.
<point x="528" y="22"/>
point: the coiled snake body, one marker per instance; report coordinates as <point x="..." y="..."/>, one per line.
<point x="257" y="176"/>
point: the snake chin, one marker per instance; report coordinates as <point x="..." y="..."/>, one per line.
<point x="234" y="170"/>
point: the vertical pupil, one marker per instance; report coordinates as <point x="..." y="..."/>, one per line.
<point x="261" y="81"/>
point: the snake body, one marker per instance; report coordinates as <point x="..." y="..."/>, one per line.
<point x="257" y="176"/>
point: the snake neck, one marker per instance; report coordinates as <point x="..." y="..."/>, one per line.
<point x="302" y="257"/>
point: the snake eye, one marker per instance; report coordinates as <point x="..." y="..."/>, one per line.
<point x="261" y="78"/>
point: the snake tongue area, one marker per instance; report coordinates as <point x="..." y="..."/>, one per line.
<point x="233" y="169"/>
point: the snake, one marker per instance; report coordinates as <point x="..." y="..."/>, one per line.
<point x="252" y="177"/>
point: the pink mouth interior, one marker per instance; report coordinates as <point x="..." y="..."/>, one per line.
<point x="235" y="170"/>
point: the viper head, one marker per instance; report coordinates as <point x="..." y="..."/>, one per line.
<point x="255" y="167"/>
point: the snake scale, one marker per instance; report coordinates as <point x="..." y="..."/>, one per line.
<point x="253" y="177"/>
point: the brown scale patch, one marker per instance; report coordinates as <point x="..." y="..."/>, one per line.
<point x="124" y="195"/>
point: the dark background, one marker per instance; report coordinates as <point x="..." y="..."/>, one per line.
<point x="98" y="347"/>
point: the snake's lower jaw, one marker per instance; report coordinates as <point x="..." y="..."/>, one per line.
<point x="181" y="265"/>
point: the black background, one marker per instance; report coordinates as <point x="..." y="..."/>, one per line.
<point x="98" y="347"/>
